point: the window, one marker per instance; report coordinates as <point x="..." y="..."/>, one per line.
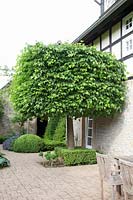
<point x="89" y="135"/>
<point x="129" y="45"/>
<point x="108" y="3"/>
<point x="127" y="24"/>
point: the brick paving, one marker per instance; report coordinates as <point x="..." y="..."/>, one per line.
<point x="27" y="179"/>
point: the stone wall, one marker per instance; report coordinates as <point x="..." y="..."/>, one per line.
<point x="6" y="124"/>
<point x="115" y="135"/>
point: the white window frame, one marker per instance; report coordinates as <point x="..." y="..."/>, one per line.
<point x="108" y="4"/>
<point x="127" y="45"/>
<point x="89" y="146"/>
<point x="127" y="24"/>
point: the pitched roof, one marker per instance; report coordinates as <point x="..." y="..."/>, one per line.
<point x="119" y="9"/>
<point x="4" y="80"/>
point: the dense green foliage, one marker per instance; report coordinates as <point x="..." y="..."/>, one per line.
<point x="2" y="138"/>
<point x="60" y="131"/>
<point x="55" y="133"/>
<point x="50" y="145"/>
<point x="28" y="143"/>
<point x="51" y="155"/>
<point x="4" y="162"/>
<point x="72" y="79"/>
<point x="77" y="156"/>
<point x="51" y="127"/>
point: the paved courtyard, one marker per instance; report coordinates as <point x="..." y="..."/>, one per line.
<point x="27" y="179"/>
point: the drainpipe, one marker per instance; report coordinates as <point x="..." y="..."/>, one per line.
<point x="101" y="4"/>
<point x="102" y="7"/>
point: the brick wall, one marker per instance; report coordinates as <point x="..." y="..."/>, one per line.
<point x="115" y="135"/>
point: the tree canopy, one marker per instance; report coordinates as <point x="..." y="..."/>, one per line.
<point x="70" y="79"/>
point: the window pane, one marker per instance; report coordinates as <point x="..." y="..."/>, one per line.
<point x="90" y="123"/>
<point x="89" y="132"/>
<point x="89" y="141"/>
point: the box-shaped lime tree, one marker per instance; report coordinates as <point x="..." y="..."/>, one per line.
<point x="71" y="80"/>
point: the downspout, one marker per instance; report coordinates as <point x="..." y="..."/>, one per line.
<point x="101" y="4"/>
<point x="102" y="7"/>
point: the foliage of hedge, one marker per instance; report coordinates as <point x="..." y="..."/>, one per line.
<point x="28" y="143"/>
<point x="60" y="131"/>
<point x="8" y="143"/>
<point x="49" y="145"/>
<point x="2" y="138"/>
<point x="4" y="162"/>
<point x="77" y="156"/>
<point x="55" y="133"/>
<point x="51" y="127"/>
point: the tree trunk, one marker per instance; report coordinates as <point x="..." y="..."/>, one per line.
<point x="70" y="133"/>
<point x="83" y="132"/>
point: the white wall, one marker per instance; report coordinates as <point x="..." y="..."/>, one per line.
<point x="105" y="39"/>
<point x="96" y="43"/>
<point x="129" y="64"/>
<point x="115" y="135"/>
<point x="116" y="50"/>
<point x="108" y="3"/>
<point x="107" y="50"/>
<point x="116" y="33"/>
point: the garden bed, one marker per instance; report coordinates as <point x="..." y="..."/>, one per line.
<point x="68" y="157"/>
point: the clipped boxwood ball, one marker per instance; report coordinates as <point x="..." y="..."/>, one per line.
<point x="28" y="143"/>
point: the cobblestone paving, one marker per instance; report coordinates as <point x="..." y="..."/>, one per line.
<point x="27" y="179"/>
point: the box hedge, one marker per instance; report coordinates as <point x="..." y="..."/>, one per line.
<point x="28" y="143"/>
<point x="77" y="156"/>
<point x="49" y="145"/>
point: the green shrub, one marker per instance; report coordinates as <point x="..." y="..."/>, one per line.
<point x="51" y="127"/>
<point x="60" y="132"/>
<point x="51" y="155"/>
<point x="28" y="143"/>
<point x="77" y="156"/>
<point x="49" y="145"/>
<point x="2" y="138"/>
<point x="4" y="162"/>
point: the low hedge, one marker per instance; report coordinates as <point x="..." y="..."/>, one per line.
<point x="77" y="156"/>
<point x="50" y="145"/>
<point x="28" y="143"/>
